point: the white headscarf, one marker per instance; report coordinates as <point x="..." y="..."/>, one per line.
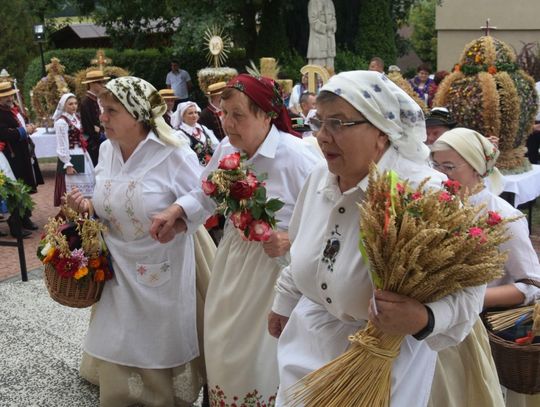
<point x="145" y="104"/>
<point x="477" y="150"/>
<point x="387" y="107"/>
<point x="178" y="115"/>
<point x="61" y="105"/>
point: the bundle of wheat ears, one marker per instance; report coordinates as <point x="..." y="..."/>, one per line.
<point x="422" y="244"/>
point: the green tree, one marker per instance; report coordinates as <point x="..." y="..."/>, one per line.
<point x="424" y="36"/>
<point x="376" y="31"/>
<point x="272" y="37"/>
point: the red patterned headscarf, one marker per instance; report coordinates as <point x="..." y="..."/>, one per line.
<point x="266" y="94"/>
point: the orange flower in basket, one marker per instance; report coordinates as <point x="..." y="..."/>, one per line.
<point x="80" y="273"/>
<point x="94" y="263"/>
<point x="100" y="275"/>
<point x="49" y="256"/>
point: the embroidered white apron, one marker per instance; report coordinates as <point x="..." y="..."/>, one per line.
<point x="147" y="313"/>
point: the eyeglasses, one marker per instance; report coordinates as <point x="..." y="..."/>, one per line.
<point x="333" y="125"/>
<point x="446" y="168"/>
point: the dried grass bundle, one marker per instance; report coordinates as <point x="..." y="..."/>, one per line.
<point x="501" y="320"/>
<point x="422" y="244"/>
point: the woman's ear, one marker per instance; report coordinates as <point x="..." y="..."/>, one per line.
<point x="383" y="141"/>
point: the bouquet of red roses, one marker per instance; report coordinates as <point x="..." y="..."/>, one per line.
<point x="241" y="194"/>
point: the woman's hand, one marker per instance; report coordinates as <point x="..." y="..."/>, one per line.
<point x="76" y="201"/>
<point x="276" y="324"/>
<point x="163" y="224"/>
<point x="277" y="245"/>
<point x="70" y="170"/>
<point x="397" y="314"/>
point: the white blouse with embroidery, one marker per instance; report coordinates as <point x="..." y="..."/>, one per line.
<point x="61" y="129"/>
<point x="147" y="313"/>
<point x="327" y="292"/>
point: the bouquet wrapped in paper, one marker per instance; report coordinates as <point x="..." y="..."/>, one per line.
<point x="241" y="194"/>
<point x="421" y="244"/>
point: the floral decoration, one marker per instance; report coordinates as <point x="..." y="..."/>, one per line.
<point x="73" y="246"/>
<point x="241" y="195"/>
<point x="252" y="399"/>
<point x="487" y="92"/>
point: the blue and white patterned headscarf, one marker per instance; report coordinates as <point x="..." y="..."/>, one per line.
<point x="387" y="107"/>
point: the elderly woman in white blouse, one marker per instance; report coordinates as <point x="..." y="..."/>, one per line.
<point x="142" y="346"/>
<point x="201" y="139"/>
<point x="240" y="355"/>
<point x="468" y="157"/>
<point x="75" y="168"/>
<point x="324" y="295"/>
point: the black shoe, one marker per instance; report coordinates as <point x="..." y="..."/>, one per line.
<point x="28" y="224"/>
<point x="3" y="234"/>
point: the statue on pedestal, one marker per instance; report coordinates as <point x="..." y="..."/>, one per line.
<point x="322" y="30"/>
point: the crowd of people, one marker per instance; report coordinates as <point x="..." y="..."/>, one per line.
<point x="247" y="320"/>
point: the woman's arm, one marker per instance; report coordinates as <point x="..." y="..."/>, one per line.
<point x="503" y="296"/>
<point x="522" y="263"/>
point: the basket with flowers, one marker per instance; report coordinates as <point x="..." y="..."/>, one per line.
<point x="421" y="244"/>
<point x="241" y="195"/>
<point x="76" y="260"/>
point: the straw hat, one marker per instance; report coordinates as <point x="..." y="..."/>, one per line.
<point x="6" y="89"/>
<point x="95" y="76"/>
<point x="216" y="88"/>
<point x="167" y="94"/>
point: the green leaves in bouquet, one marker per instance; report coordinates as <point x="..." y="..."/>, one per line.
<point x="16" y="194"/>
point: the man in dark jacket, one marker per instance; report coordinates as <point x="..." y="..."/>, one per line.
<point x="19" y="151"/>
<point x="90" y="112"/>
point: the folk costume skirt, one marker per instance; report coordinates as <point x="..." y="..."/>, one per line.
<point x="179" y="386"/>
<point x="241" y="359"/>
<point x="84" y="180"/>
<point x="466" y="374"/>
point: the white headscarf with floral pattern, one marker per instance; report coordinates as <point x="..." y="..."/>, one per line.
<point x="145" y="104"/>
<point x="387" y="107"/>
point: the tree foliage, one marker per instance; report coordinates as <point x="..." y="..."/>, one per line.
<point x="16" y="39"/>
<point x="424" y="36"/>
<point x="376" y="33"/>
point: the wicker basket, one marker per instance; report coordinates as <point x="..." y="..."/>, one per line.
<point x="67" y="291"/>
<point x="518" y="366"/>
